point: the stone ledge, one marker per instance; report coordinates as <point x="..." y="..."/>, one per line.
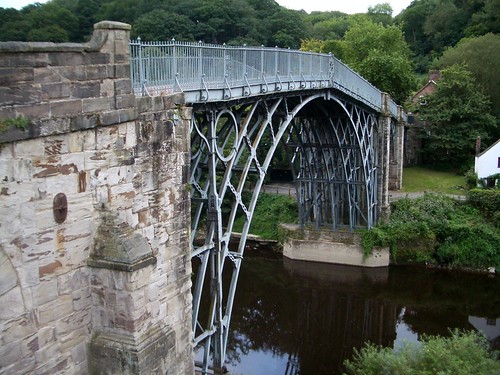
<point x="118" y="247"/>
<point x="122" y="266"/>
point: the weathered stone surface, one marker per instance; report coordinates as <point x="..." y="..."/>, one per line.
<point x="126" y="166"/>
<point x="12" y="304"/>
<point x="56" y="90"/>
<point x="112" y="354"/>
<point x="9" y="76"/>
<point x="89" y="89"/>
<point x="330" y="247"/>
<point x="8" y="277"/>
<point x="117" y="247"/>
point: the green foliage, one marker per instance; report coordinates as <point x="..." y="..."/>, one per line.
<point x="486" y="200"/>
<point x="455" y="115"/>
<point x="380" y="54"/>
<point x="430" y="26"/>
<point x="19" y="122"/>
<point x="381" y="13"/>
<point x="485" y="20"/>
<point x="312" y="45"/>
<point x="330" y="28"/>
<point x="444" y="25"/>
<point x="437" y="229"/>
<point x="270" y="211"/>
<point x="163" y="25"/>
<point x="463" y="353"/>
<point x="471" y="179"/>
<point x="481" y="56"/>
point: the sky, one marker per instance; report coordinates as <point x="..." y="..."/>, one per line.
<point x="349" y="6"/>
<point x="18" y="4"/>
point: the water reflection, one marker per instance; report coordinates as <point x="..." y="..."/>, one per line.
<point x="292" y="317"/>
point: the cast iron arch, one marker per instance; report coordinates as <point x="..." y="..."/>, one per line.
<point x="333" y="155"/>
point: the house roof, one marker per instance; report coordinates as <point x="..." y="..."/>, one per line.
<point x="493" y="145"/>
<point x="431" y="82"/>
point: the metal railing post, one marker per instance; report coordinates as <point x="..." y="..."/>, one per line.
<point x="200" y="61"/>
<point x="276" y="70"/>
<point x="224" y="59"/>
<point x="262" y="60"/>
<point x="289" y="62"/>
<point x="141" y="68"/>
<point x="244" y="67"/>
<point x="174" y="61"/>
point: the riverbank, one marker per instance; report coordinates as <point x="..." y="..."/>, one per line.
<point x="448" y="231"/>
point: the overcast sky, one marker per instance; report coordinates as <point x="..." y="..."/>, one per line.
<point x="349" y="6"/>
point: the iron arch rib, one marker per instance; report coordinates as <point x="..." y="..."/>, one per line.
<point x="233" y="145"/>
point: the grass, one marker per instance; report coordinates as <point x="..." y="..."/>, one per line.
<point x="416" y="179"/>
<point x="270" y="211"/>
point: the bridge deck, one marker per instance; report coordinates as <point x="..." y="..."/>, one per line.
<point x="214" y="73"/>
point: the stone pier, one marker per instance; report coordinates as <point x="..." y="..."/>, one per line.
<point x="94" y="214"/>
<point x="328" y="246"/>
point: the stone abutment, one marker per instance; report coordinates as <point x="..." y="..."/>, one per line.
<point x="94" y="247"/>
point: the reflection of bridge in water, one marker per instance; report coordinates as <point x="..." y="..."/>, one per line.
<point x="341" y="135"/>
<point x="310" y="316"/>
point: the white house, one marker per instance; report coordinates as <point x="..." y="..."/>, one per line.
<point x="488" y="162"/>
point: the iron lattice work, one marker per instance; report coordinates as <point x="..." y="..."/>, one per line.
<point x="332" y="147"/>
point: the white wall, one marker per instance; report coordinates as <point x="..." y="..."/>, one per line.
<point x="487" y="163"/>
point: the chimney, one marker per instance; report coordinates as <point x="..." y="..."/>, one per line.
<point x="478" y="146"/>
<point x="434" y="75"/>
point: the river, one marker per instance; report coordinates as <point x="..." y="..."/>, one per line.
<point x="294" y="317"/>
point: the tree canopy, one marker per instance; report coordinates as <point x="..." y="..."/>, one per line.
<point x="455" y="115"/>
<point x="381" y="55"/>
<point x="481" y="55"/>
<point x="388" y="51"/>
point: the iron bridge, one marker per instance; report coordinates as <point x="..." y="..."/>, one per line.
<point x="336" y="130"/>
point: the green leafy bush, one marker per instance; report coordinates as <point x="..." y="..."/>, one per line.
<point x="437" y="229"/>
<point x="486" y="200"/>
<point x="463" y="353"/>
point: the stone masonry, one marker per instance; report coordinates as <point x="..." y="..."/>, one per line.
<point x="107" y="290"/>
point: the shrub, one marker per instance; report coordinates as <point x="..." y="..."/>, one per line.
<point x="471" y="179"/>
<point x="486" y="200"/>
<point x="463" y="353"/>
<point x="438" y="229"/>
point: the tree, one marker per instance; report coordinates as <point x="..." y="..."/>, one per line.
<point x="381" y="13"/>
<point x="487" y="20"/>
<point x="162" y="25"/>
<point x="455" y="115"/>
<point x="444" y="25"/>
<point x="312" y="45"/>
<point x="287" y="28"/>
<point x="481" y="55"/>
<point x="381" y="55"/>
<point x="52" y="23"/>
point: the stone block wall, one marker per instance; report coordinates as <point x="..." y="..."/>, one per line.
<point x="107" y="290"/>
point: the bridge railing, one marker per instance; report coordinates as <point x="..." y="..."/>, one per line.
<point x="208" y="72"/>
